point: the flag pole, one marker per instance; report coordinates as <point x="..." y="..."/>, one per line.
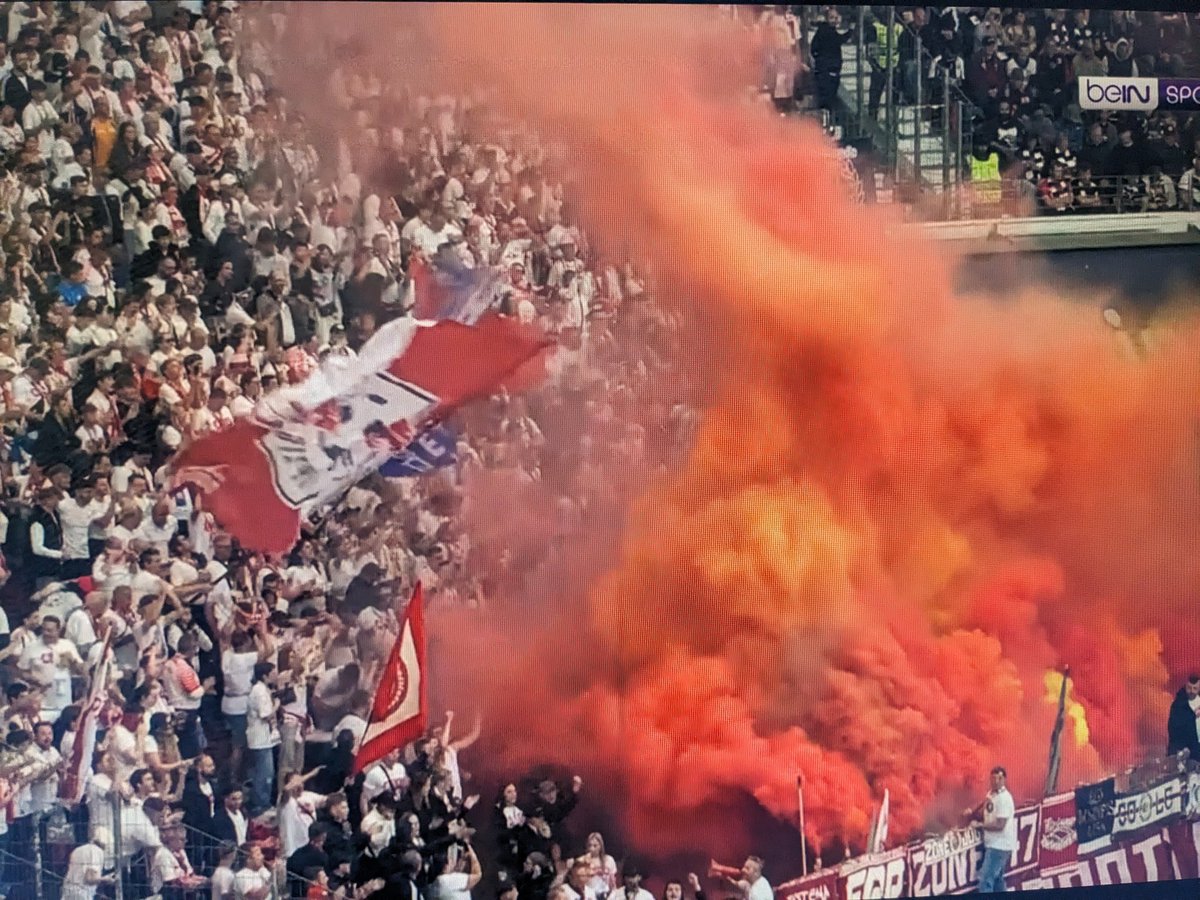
<point x="803" y="841"/>
<point x="1056" y="737"/>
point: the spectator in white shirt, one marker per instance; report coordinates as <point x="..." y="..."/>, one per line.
<point x="631" y="879"/>
<point x="298" y="812"/>
<point x="86" y="865"/>
<point x="254" y="881"/>
<point x="78" y="514"/>
<point x="238" y="658"/>
<point x="458" y="877"/>
<point x="386" y="776"/>
<point x="170" y="866"/>
<point x="262" y="737"/>
<point x="43" y="791"/>
<point x="223" y="878"/>
<point x="379" y="825"/>
<point x="48" y="663"/>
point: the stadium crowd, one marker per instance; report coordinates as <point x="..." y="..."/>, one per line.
<point x="174" y="249"/>
<point x="1020" y="69"/>
<point x="1017" y="70"/>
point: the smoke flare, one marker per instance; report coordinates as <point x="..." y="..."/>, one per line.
<point x="902" y="507"/>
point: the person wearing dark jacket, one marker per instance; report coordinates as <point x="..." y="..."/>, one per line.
<point x="217" y="295"/>
<point x="230" y="823"/>
<point x="233" y="248"/>
<point x="553" y="808"/>
<point x="199" y="800"/>
<point x="199" y="806"/>
<point x="46" y="537"/>
<point x="826" y="49"/>
<point x="16" y="88"/>
<point x="1183" y="731"/>
<point x="193" y="206"/>
<point x="146" y="264"/>
<point x="339" y="834"/>
<point x="56" y="440"/>
<point x="306" y="859"/>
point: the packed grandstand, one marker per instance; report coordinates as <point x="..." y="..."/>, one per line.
<point x="1026" y="143"/>
<point x="175" y="250"/>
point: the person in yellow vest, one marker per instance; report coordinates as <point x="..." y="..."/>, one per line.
<point x="985" y="179"/>
<point x="883" y="54"/>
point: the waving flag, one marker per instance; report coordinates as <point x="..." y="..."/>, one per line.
<point x="400" y="711"/>
<point x="434" y="448"/>
<point x="879" y="826"/>
<point x="445" y="290"/>
<point x="450" y="290"/>
<point x="304" y="445"/>
<point x="79" y="766"/>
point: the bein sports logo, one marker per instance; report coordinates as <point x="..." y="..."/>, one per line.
<point x="1138" y="94"/>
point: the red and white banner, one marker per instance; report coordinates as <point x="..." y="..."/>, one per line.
<point x="1058" y="845"/>
<point x="821" y="885"/>
<point x="79" y="765"/>
<point x="949" y="863"/>
<point x="400" y="711"/>
<point x="1047" y="854"/>
<point x="1153" y="858"/>
<point x="874" y="877"/>
<point x="304" y="445"/>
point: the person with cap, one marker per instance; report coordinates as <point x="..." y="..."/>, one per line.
<point x="631" y="881"/>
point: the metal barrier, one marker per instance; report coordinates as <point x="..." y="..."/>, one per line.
<point x="147" y="853"/>
<point x="1015" y="194"/>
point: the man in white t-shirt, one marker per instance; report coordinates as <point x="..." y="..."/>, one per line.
<point x="78" y="514"/>
<point x="237" y="666"/>
<point x="631" y="879"/>
<point x="297" y="814"/>
<point x="458" y="878"/>
<point x="757" y="886"/>
<point x="996" y="815"/>
<point x="254" y="882"/>
<point x="388" y="775"/>
<point x="43" y="792"/>
<point x="85" y="867"/>
<point x="48" y="663"/>
<point x="262" y="737"/>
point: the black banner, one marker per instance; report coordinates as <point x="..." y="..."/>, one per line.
<point x="1094" y="810"/>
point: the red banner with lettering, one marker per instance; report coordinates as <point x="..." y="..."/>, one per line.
<point x="821" y="885"/>
<point x="880" y="875"/>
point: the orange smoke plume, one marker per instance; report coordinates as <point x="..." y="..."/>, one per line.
<point x="902" y="507"/>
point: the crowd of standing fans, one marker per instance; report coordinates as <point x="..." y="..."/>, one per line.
<point x="1017" y="70"/>
<point x="174" y="248"/>
<point x="1022" y="71"/>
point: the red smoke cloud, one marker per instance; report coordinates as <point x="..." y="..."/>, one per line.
<point x="902" y="507"/>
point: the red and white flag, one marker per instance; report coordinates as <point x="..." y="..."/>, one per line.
<point x="879" y="826"/>
<point x="304" y="445"/>
<point x="400" y="712"/>
<point x="79" y="765"/>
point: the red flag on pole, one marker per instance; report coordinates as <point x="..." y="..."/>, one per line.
<point x="400" y="712"/>
<point x="79" y="765"/>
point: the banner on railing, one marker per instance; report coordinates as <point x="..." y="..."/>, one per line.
<point x="1134" y="813"/>
<point x="1130" y="837"/>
